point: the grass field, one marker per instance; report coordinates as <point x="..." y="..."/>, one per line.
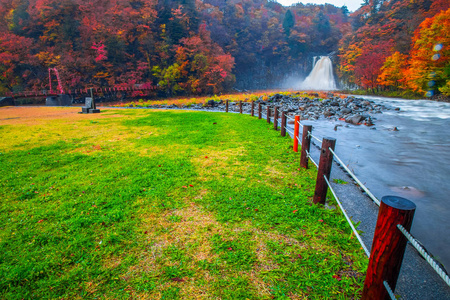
<point x="142" y="204"/>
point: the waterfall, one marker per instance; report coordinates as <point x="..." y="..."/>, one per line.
<point x="321" y="76"/>
<point x="314" y="61"/>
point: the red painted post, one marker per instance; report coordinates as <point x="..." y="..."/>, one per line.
<point x="275" y="118"/>
<point x="253" y="108"/>
<point x="296" y="130"/>
<point x="306" y="145"/>
<point x="325" y="163"/>
<point x="259" y="111"/>
<point x="240" y="107"/>
<point x="388" y="246"/>
<point x="283" y="123"/>
<point x="268" y="114"/>
<point x="226" y="106"/>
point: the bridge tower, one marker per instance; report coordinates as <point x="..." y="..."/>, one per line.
<point x="61" y="99"/>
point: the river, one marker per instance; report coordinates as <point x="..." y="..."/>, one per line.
<point x="412" y="162"/>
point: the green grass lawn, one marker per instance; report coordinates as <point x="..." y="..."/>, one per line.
<point x="165" y="205"/>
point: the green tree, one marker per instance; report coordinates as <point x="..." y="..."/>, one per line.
<point x="288" y="22"/>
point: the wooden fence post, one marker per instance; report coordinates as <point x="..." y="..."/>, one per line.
<point x="388" y="246"/>
<point x="268" y="114"/>
<point x="306" y="145"/>
<point x="240" y="107"/>
<point x="325" y="163"/>
<point x="253" y="108"/>
<point x="283" y="123"/>
<point x="296" y="130"/>
<point x="259" y="111"/>
<point x="226" y="106"/>
<point x="275" y="118"/>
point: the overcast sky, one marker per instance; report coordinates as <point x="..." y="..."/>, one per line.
<point x="352" y="5"/>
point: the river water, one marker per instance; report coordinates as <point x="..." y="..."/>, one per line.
<point x="413" y="162"/>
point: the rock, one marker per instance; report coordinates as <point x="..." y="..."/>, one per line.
<point x="329" y="113"/>
<point x="346" y="111"/>
<point x="334" y="103"/>
<point x="355" y="119"/>
<point x="368" y="121"/>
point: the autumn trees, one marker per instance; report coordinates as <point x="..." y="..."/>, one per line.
<point x="208" y="46"/>
<point x="180" y="46"/>
<point x="398" y="45"/>
<point x="429" y="64"/>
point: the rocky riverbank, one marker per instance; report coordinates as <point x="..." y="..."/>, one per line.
<point x="350" y="109"/>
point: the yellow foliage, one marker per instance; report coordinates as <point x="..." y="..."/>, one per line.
<point x="101" y="75"/>
<point x="48" y="59"/>
<point x="392" y="70"/>
<point x="428" y="59"/>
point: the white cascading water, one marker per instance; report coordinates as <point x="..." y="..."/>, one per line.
<point x="321" y="76"/>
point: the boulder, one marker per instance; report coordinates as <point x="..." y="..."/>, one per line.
<point x="346" y="111"/>
<point x="329" y="113"/>
<point x="354" y="119"/>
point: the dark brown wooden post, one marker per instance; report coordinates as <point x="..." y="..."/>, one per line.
<point x="325" y="162"/>
<point x="283" y="123"/>
<point x="253" y="108"/>
<point x="388" y="246"/>
<point x="240" y="107"/>
<point x="306" y="145"/>
<point x="226" y="106"/>
<point x="275" y="118"/>
<point x="268" y="114"/>
<point x="259" y="111"/>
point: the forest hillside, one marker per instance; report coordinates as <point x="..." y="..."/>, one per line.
<point x="209" y="46"/>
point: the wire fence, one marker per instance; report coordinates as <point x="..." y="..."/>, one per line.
<point x="291" y="132"/>
<point x="314" y="137"/>
<point x="389" y="290"/>
<point x="347" y="218"/>
<point x="311" y="159"/>
<point x="355" y="178"/>
<point x="414" y="242"/>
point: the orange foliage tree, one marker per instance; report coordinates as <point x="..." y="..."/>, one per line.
<point x="430" y="56"/>
<point x="392" y="71"/>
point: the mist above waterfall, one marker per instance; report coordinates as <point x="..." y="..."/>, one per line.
<point x="321" y="76"/>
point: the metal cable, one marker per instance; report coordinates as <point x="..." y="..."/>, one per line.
<point x="425" y="255"/>
<point x="316" y="138"/>
<point x="289" y="118"/>
<point x="310" y="158"/>
<point x="300" y="124"/>
<point x="347" y="218"/>
<point x="356" y="178"/>
<point x="288" y="130"/>
<point x="299" y="141"/>
<point x="389" y="290"/>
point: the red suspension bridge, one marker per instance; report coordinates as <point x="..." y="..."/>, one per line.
<point x="75" y="92"/>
